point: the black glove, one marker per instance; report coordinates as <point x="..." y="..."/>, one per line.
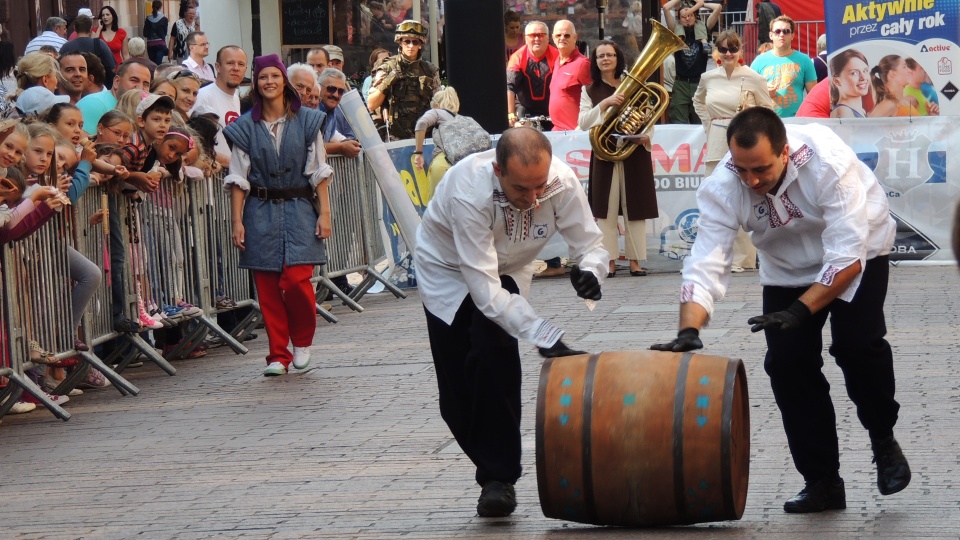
<point x="789" y="319"/>
<point x="688" y="339"/>
<point x="585" y="283"/>
<point x="558" y="349"/>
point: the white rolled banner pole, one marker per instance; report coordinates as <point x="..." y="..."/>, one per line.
<point x="355" y="111"/>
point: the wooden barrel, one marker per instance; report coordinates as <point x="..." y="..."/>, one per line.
<point x="643" y="438"/>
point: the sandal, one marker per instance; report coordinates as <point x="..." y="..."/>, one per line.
<point x="38" y="355"/>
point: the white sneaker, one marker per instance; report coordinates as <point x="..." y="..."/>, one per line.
<point x="21" y="407"/>
<point x="736" y="269"/>
<point x="301" y="357"/>
<point x="274" y="369"/>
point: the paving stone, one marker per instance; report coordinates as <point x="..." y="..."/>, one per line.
<point x="354" y="447"/>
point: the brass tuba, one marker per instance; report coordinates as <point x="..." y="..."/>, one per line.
<point x="643" y="103"/>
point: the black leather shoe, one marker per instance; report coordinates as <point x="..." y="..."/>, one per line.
<point x="893" y="472"/>
<point x="497" y="499"/>
<point x="817" y="497"/>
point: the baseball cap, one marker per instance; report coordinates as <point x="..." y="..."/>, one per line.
<point x="153" y="99"/>
<point x="85" y="11"/>
<point x="203" y="110"/>
<point x="36" y="99"/>
<point x="334" y="52"/>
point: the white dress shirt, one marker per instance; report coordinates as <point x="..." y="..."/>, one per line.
<point x="829" y="212"/>
<point x="471" y="235"/>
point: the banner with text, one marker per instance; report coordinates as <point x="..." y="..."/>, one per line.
<point x="893" y="57"/>
<point x="909" y="157"/>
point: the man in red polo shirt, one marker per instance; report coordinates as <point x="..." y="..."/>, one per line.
<point x="570" y="74"/>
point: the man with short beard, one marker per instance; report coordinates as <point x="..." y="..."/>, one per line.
<point x="73" y="67"/>
<point x="222" y="95"/>
<point x="528" y="75"/>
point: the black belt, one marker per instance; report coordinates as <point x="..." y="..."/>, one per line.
<point x="693" y="80"/>
<point x="281" y="194"/>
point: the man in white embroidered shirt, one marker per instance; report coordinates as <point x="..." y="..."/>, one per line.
<point x="476" y="245"/>
<point x="823" y="230"/>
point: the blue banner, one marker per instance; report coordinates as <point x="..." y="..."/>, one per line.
<point x="893" y="58"/>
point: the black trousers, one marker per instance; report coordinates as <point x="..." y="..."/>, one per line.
<point x="478" y="375"/>
<point x="794" y="364"/>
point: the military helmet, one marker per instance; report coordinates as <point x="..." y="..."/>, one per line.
<point x="410" y="28"/>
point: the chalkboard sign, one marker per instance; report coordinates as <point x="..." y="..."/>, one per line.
<point x="304" y="23"/>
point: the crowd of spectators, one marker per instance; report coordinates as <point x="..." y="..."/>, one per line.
<point x="130" y="114"/>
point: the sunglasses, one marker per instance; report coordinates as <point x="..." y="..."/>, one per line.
<point x="335" y="90"/>
<point x="785" y="31"/>
<point x="537" y="35"/>
<point x="185" y="73"/>
<point x="411" y="42"/>
<point x="564" y="36"/>
<point x="731" y="50"/>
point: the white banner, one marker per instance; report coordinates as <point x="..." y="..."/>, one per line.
<point x="909" y="157"/>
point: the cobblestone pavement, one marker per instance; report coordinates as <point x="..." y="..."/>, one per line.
<point x="355" y="447"/>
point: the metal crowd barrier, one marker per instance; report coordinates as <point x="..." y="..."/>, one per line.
<point x="224" y="277"/>
<point x="177" y="247"/>
<point x="370" y="200"/>
<point x="93" y="242"/>
<point x="355" y="244"/>
<point x="37" y="288"/>
<point x="165" y="241"/>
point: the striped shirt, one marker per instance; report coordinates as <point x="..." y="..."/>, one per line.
<point x="47" y="38"/>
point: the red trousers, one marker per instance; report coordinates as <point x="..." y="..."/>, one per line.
<point x="289" y="310"/>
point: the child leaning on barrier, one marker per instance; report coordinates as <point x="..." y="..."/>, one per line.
<point x="21" y="215"/>
<point x="205" y="125"/>
<point x="36" y="146"/>
<point x="23" y="211"/>
<point x="170" y="154"/>
<point x="72" y="178"/>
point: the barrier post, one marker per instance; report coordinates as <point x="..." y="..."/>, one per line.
<point x="93" y="242"/>
<point x="223" y="260"/>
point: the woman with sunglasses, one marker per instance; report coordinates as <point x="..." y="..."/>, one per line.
<point x="610" y="194"/>
<point x="721" y="94"/>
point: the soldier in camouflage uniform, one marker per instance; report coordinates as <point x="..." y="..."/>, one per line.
<point x="405" y="82"/>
